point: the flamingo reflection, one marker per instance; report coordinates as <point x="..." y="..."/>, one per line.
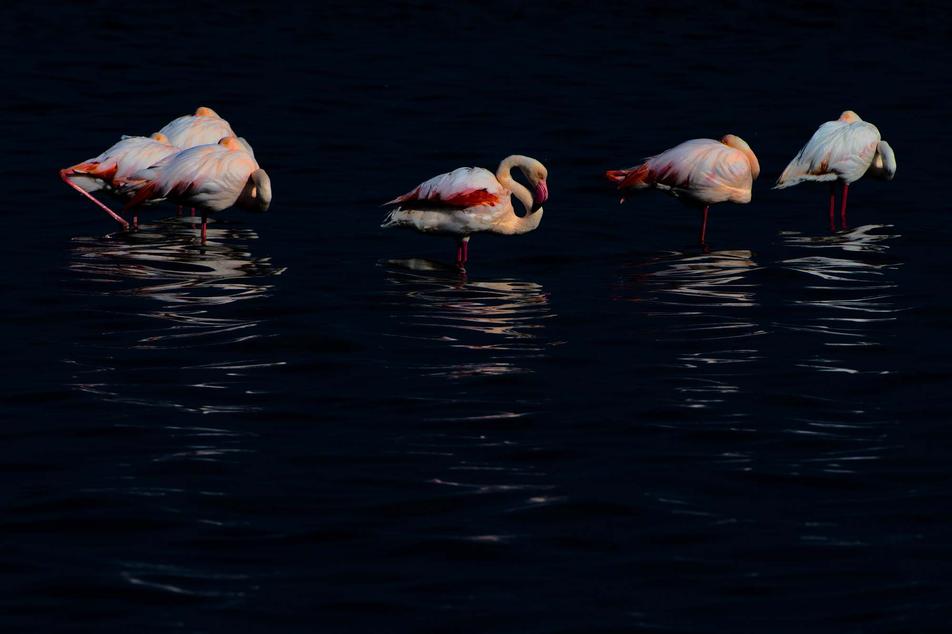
<point x="177" y="347"/>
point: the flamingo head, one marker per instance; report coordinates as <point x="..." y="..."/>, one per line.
<point x="537" y="174"/>
<point x="849" y="116"/>
<point x="203" y="111"/>
<point x="161" y="138"/>
<point x="257" y="194"/>
<point x="734" y="141"/>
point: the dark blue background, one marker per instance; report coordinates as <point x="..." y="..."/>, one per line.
<point x="310" y="425"/>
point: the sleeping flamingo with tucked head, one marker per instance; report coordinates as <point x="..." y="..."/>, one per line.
<point x="699" y="171"/>
<point x="119" y="162"/>
<point x="843" y="150"/>
<point x="210" y="177"/>
<point x="471" y="200"/>
<point x="202" y="128"/>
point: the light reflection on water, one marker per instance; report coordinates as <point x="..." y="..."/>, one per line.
<point x="700" y="303"/>
<point x="848" y="294"/>
<point x="169" y="293"/>
<point x="478" y="330"/>
<point x="487" y="327"/>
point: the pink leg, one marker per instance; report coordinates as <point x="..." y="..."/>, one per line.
<point x="846" y="189"/>
<point x="193" y="212"/>
<point x="704" y="225"/>
<point x="465" y="249"/>
<point x="115" y="216"/>
<point x="459" y="252"/>
<point x="135" y="221"/>
<point x="204" y="225"/>
<point x="832" y="206"/>
<point x="178" y="210"/>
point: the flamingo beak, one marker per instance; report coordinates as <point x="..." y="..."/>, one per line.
<point x="540" y="196"/>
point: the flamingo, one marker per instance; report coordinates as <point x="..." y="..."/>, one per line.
<point x="842" y="150"/>
<point x="128" y="156"/>
<point x="699" y="171"/>
<point x="471" y="200"/>
<point x="210" y="177"/>
<point x="202" y="128"/>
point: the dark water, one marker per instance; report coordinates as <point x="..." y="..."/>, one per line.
<point x="313" y="425"/>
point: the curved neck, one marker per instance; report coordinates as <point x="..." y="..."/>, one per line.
<point x="514" y="223"/>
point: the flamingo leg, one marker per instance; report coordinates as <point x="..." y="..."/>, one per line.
<point x="178" y="210"/>
<point x="832" y="206"/>
<point x="115" y="216"/>
<point x="704" y="225"/>
<point x="846" y="188"/>
<point x="204" y="226"/>
<point x="459" y="252"/>
<point x="193" y="212"/>
<point x="465" y="249"/>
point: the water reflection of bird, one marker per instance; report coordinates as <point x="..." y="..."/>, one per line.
<point x="850" y="294"/>
<point x="699" y="171"/>
<point x="841" y="151"/>
<point x="472" y="199"/>
<point x="177" y="293"/>
<point x="700" y="304"/>
<point x="499" y="324"/>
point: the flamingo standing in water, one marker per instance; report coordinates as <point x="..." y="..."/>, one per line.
<point x="202" y="128"/>
<point x="842" y="150"/>
<point x="699" y="171"/>
<point x="471" y="200"/>
<point x="210" y="177"/>
<point x="122" y="160"/>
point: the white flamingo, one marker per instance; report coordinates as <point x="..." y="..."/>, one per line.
<point x="471" y="200"/>
<point x="841" y="151"/>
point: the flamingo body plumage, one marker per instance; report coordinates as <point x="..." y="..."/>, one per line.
<point x="202" y="128"/>
<point x="699" y="171"/>
<point x="473" y="200"/>
<point x="841" y="151"/>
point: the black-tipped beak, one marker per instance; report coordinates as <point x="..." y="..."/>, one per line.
<point x="540" y="196"/>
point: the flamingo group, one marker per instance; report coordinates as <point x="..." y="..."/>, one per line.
<point x="195" y="160"/>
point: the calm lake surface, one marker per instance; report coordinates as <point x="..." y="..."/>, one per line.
<point x="313" y="424"/>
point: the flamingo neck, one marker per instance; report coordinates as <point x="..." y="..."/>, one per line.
<point x="513" y="223"/>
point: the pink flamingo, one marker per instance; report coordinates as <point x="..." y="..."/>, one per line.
<point x="842" y="150"/>
<point x="119" y="162"/>
<point x="471" y="200"/>
<point x="210" y="177"/>
<point x="699" y="171"/>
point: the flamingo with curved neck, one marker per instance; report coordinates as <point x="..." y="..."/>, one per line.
<point x="472" y="200"/>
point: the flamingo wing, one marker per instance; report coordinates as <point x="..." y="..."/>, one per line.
<point x="703" y="169"/>
<point x="838" y="150"/>
<point x="462" y="188"/>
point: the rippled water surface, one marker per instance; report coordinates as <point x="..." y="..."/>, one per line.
<point x="313" y="424"/>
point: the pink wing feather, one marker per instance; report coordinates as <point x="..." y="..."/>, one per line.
<point x="459" y="189"/>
